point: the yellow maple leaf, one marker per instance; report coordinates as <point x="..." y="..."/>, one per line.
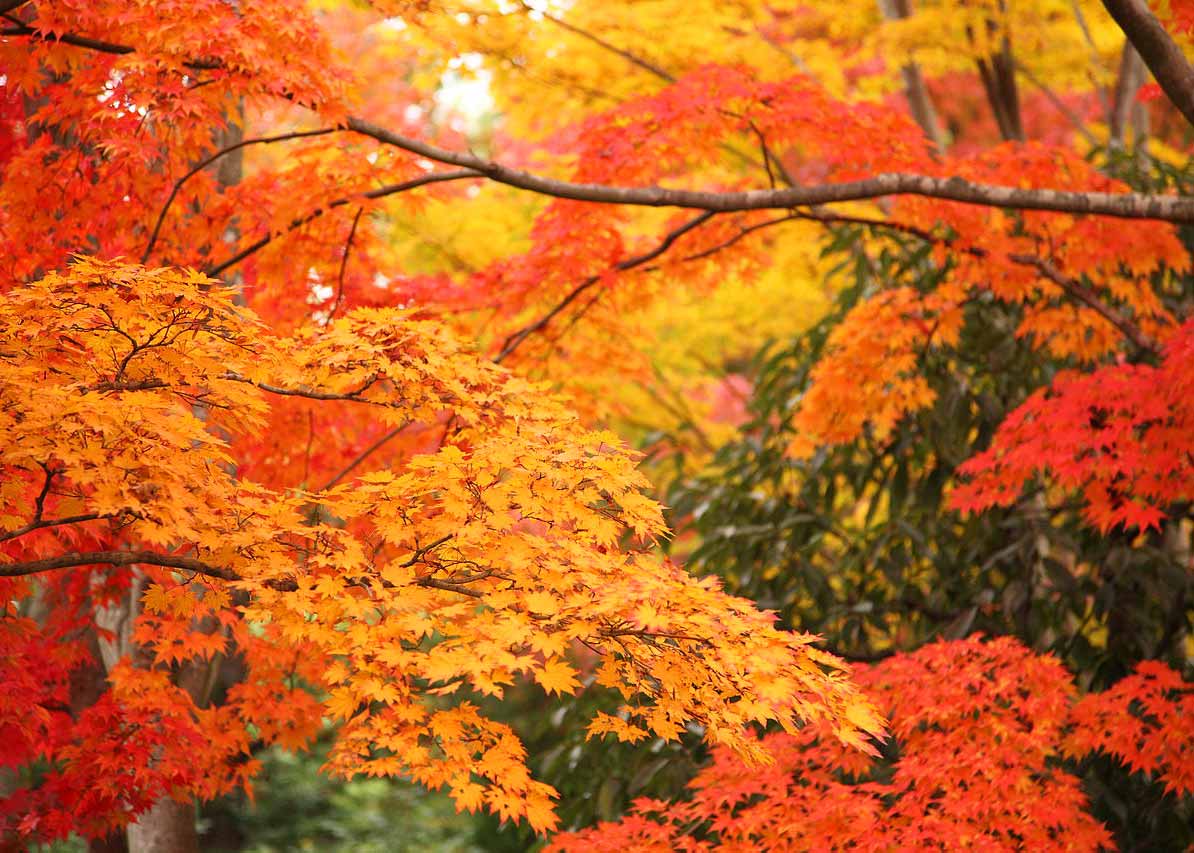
<point x="556" y="676"/>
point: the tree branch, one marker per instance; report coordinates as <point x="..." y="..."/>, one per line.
<point x="98" y="45"/>
<point x="352" y="232"/>
<point x="75" y="559"/>
<point x="1158" y="50"/>
<point x="309" y="393"/>
<point x="1153" y="43"/>
<point x="1045" y="267"/>
<point x="391" y="189"/>
<point x="44" y="524"/>
<point x="515" y="340"/>
<point x="24" y="30"/>
<point x="365" y="454"/>
<point x="920" y="102"/>
<point x="1059" y="104"/>
<point x="1084" y="295"/>
<point x="1119" y="205"/>
<point x="115" y="558"/>
<point x="633" y="59"/>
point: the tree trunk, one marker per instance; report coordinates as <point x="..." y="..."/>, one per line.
<point x="919" y="100"/>
<point x="168" y="827"/>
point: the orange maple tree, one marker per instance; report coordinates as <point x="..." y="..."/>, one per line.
<point x="232" y="432"/>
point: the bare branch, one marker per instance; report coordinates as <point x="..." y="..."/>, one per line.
<point x="1120" y="205"/>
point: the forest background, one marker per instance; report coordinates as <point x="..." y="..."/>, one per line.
<point x="441" y="395"/>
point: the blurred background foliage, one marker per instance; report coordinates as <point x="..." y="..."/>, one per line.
<point x="295" y="807"/>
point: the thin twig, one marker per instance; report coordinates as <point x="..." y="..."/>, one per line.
<point x="1058" y="104"/>
<point x="352" y="232"/>
<point x="364" y="454"/>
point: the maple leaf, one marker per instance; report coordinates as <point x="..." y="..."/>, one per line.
<point x="556" y="676"/>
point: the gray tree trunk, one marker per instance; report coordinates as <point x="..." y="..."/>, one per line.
<point x="168" y="827"/>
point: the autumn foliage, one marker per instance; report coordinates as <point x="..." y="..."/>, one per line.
<point x="949" y="704"/>
<point x="309" y="412"/>
<point x="478" y="564"/>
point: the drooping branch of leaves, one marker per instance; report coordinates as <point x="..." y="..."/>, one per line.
<point x="1045" y="267"/>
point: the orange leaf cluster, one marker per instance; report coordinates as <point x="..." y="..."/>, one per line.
<point x="481" y="562"/>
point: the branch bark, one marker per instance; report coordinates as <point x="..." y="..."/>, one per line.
<point x="1158" y="50"/>
<point x="920" y="102"/>
<point x="1131" y="75"/>
<point x="1120" y="205"/>
<point x="74" y="559"/>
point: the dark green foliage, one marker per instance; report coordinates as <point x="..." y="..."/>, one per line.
<point x="298" y="808"/>
<point x="858" y="543"/>
<point x="597" y="779"/>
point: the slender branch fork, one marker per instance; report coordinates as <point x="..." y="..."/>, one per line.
<point x="244" y="143"/>
<point x="380" y="192"/>
<point x="521" y="335"/>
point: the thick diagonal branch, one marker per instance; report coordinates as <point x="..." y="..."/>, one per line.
<point x="1158" y="50"/>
